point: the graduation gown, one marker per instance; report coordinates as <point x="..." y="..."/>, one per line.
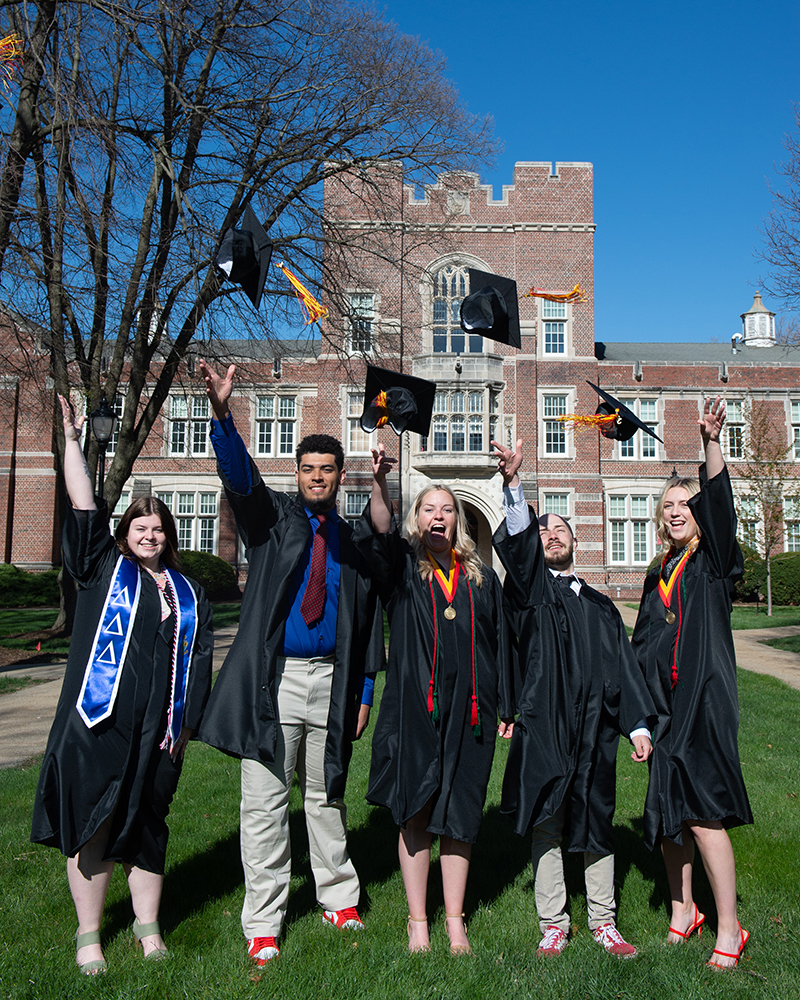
<point x="580" y="688"/>
<point x="414" y="757"/>
<point x="116" y="767"/>
<point x="695" y="771"/>
<point x="242" y="715"/>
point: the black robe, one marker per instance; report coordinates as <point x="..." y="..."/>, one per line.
<point x="695" y="771"/>
<point x="415" y="758"/>
<point x="242" y="714"/>
<point x="116" y="766"/>
<point x="581" y="687"/>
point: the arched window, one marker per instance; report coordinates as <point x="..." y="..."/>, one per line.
<point x="450" y="285"/>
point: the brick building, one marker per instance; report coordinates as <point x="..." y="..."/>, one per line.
<point x="400" y="269"/>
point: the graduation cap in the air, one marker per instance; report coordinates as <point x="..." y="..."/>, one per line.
<point x="626" y="423"/>
<point x="491" y="309"/>
<point x="404" y="402"/>
<point x="244" y="255"/>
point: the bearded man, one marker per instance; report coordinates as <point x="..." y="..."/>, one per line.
<point x="580" y="688"/>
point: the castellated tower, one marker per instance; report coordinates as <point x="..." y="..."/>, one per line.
<point x="402" y="275"/>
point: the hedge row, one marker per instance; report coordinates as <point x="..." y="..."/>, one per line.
<point x="19" y="589"/>
<point x="785" y="572"/>
<point x="27" y="590"/>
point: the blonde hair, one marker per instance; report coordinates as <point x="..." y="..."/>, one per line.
<point x="692" y="487"/>
<point x="466" y="552"/>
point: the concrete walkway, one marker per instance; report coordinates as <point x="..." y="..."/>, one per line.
<point x="26" y="716"/>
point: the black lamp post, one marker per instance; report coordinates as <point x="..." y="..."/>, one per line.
<point x="103" y="421"/>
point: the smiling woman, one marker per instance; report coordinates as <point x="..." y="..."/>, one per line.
<point x="136" y="684"/>
<point x="448" y="678"/>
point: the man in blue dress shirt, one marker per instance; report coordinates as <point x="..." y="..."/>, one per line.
<point x="296" y="686"/>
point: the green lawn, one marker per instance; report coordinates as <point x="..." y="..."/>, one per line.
<point x="789" y="642"/>
<point x="203" y="897"/>
<point x="748" y="617"/>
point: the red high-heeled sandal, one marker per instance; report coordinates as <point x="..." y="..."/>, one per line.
<point x="696" y="926"/>
<point x="745" y="937"/>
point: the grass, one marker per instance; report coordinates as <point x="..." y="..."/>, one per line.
<point x="8" y="685"/>
<point x="203" y="897"/>
<point x="749" y="617"/>
<point x="789" y="642"/>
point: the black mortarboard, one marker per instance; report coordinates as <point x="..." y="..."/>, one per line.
<point x="244" y="255"/>
<point x="627" y="422"/>
<point x="491" y="308"/>
<point x="402" y="401"/>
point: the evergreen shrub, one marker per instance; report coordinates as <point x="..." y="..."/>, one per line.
<point x="19" y="589"/>
<point x="785" y="578"/>
<point x="217" y="577"/>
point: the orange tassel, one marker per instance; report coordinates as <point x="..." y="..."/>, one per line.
<point x="312" y="310"/>
<point x="576" y="295"/>
<point x="10" y="58"/>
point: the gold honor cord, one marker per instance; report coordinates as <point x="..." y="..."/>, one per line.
<point x="312" y="309"/>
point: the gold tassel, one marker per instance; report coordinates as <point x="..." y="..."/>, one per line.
<point x="583" y="422"/>
<point x="312" y="310"/>
<point x="576" y="295"/>
<point x="10" y="58"/>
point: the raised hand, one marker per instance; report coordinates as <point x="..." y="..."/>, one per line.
<point x="508" y="461"/>
<point x="712" y="420"/>
<point x="73" y="426"/>
<point x="218" y="388"/>
<point x="382" y="464"/>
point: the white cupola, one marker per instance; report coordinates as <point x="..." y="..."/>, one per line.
<point x="758" y="325"/>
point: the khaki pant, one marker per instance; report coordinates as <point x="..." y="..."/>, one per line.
<point x="550" y="887"/>
<point x="304" y="690"/>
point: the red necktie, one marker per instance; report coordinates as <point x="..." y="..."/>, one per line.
<point x="313" y="603"/>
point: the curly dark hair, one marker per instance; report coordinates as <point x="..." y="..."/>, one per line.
<point x="321" y="444"/>
<point x="144" y="507"/>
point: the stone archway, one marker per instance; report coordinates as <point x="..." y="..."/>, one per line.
<point x="483" y="516"/>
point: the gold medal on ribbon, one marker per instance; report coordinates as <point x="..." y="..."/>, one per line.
<point x="670" y="616"/>
<point x="449" y="612"/>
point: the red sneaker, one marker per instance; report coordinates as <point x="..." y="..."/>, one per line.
<point x="614" y="943"/>
<point x="343" y="920"/>
<point x="262" y="949"/>
<point x="553" y="942"/>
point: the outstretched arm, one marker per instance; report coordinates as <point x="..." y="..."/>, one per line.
<point x="76" y="474"/>
<point x="710" y="429"/>
<point x="380" y="508"/>
<point x="508" y="462"/>
<point x="218" y="388"/>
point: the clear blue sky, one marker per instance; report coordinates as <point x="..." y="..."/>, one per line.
<point x="681" y="107"/>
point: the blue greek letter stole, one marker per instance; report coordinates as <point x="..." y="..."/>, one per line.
<point x="182" y="649"/>
<point x="103" y="672"/>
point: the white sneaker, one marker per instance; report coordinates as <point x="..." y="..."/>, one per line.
<point x="614" y="943"/>
<point x="553" y="942"/>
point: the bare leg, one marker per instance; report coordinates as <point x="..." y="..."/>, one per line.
<point x="88" y="877"/>
<point x="679" y="861"/>
<point x="716" y="852"/>
<point x="145" y="888"/>
<point x="414" y="850"/>
<point x="454" y="858"/>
